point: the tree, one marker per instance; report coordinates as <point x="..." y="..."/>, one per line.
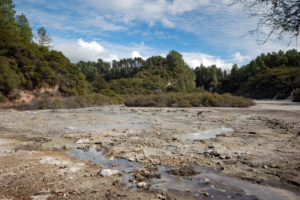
<point x="24" y="29"/>
<point x="279" y="17"/>
<point x="43" y="39"/>
<point x="8" y="29"/>
<point x="184" y="77"/>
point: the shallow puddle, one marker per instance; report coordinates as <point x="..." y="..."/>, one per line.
<point x="207" y="183"/>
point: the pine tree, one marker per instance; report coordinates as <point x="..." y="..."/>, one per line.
<point x="43" y="39"/>
<point x="25" y="32"/>
<point x="8" y="29"/>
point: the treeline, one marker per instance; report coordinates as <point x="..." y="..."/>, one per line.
<point x="27" y="65"/>
<point x="272" y="75"/>
<point x="269" y="76"/>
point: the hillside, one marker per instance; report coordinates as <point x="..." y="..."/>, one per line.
<point x="138" y="76"/>
<point x="269" y="76"/>
<point x="25" y="65"/>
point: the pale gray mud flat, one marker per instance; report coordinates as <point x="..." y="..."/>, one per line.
<point x="157" y="153"/>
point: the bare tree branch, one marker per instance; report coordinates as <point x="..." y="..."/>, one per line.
<point x="280" y="18"/>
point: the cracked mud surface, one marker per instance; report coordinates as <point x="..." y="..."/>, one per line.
<point x="259" y="145"/>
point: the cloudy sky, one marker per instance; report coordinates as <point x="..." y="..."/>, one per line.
<point x="204" y="31"/>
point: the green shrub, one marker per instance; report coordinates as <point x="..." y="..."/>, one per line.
<point x="188" y="100"/>
<point x="3" y="99"/>
<point x="296" y="96"/>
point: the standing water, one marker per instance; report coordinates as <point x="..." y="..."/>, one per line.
<point x="208" y="182"/>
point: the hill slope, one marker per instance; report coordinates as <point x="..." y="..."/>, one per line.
<point x="25" y="65"/>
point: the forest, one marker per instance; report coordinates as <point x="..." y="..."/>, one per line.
<point x="269" y="76"/>
<point x="27" y="62"/>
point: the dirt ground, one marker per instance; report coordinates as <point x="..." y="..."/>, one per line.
<point x="257" y="146"/>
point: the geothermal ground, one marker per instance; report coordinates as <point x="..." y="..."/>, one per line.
<point x="116" y="152"/>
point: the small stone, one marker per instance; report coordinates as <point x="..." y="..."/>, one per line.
<point x="222" y="156"/>
<point x="252" y="133"/>
<point x="83" y="141"/>
<point x="131" y="158"/>
<point x="206" y="194"/>
<point x="116" y="182"/>
<point x="66" y="147"/>
<point x="211" y="146"/>
<point x="215" y="153"/>
<point x="142" y="185"/>
<point x="265" y="167"/>
<point x="205" y="181"/>
<point x="159" y="196"/>
<point x="108" y="172"/>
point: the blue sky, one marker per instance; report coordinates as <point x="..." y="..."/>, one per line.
<point x="204" y="31"/>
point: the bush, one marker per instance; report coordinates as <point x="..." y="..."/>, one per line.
<point x="189" y="100"/>
<point x="3" y="99"/>
<point x="73" y="102"/>
<point x="296" y="96"/>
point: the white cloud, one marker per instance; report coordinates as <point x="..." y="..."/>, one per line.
<point x="90" y="46"/>
<point x="92" y="51"/>
<point x="146" y="10"/>
<point x="180" y="6"/>
<point x="136" y="54"/>
<point x="239" y="58"/>
<point x="82" y="50"/>
<point x="195" y="59"/>
<point x="167" y="23"/>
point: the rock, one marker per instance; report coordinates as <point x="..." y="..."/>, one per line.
<point x="174" y="138"/>
<point x="140" y="157"/>
<point x="66" y="147"/>
<point x="132" y="180"/>
<point x="211" y="146"/>
<point x="42" y="140"/>
<point x="184" y="171"/>
<point x="221" y="135"/>
<point x="206" y="154"/>
<point x="252" y="133"/>
<point x="206" y="194"/>
<point x="215" y="153"/>
<point x="265" y="167"/>
<point x="222" y="156"/>
<point x="140" y="177"/>
<point x="98" y="143"/>
<point x="84" y="148"/>
<point x="205" y="181"/>
<point x="108" y="172"/>
<point x="211" y="152"/>
<point x="142" y="185"/>
<point x="143" y="174"/>
<point x="83" y="141"/>
<point x="159" y="196"/>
